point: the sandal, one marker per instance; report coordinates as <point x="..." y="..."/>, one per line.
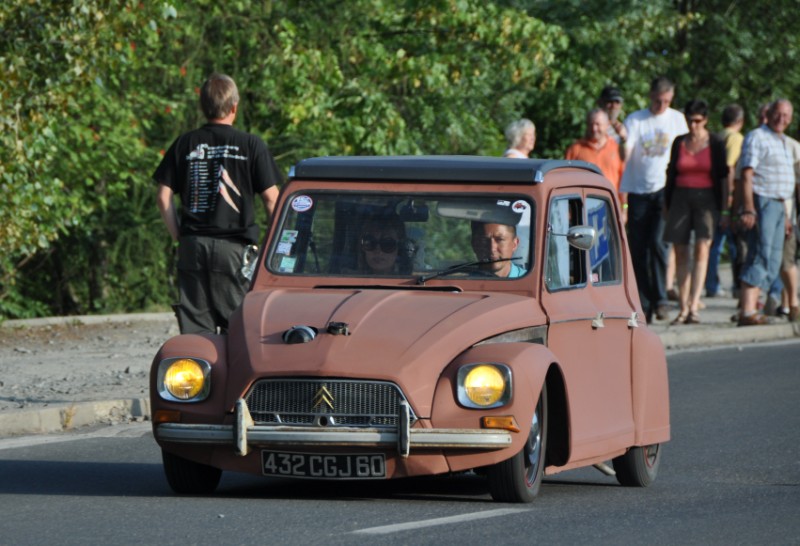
<point x="756" y="319"/>
<point x="693" y="318"/>
<point x="680" y="319"/>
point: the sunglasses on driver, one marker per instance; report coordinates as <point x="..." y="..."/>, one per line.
<point x="387" y="245"/>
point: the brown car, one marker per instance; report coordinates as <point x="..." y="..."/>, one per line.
<point x="414" y="316"/>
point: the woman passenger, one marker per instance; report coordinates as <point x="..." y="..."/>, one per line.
<point x="382" y="237"/>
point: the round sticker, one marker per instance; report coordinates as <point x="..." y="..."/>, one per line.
<point x="302" y="203"/>
<point x="519" y="206"/>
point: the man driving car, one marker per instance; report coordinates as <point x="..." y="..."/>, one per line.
<point x="496" y="244"/>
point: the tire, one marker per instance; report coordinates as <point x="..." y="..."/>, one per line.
<point x="188" y="477"/>
<point x="639" y="466"/>
<point x="519" y="478"/>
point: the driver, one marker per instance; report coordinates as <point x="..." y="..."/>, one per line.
<point x="493" y="242"/>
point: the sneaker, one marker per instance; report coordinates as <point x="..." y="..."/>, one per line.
<point x="756" y="319"/>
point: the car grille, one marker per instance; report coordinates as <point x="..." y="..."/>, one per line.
<point x="332" y="402"/>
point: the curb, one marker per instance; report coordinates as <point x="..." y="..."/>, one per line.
<point x="729" y="336"/>
<point x="80" y="414"/>
<point x="87" y="320"/>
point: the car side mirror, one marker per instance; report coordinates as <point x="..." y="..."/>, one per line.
<point x="581" y="237"/>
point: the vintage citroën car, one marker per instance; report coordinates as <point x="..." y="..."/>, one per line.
<point x="427" y="315"/>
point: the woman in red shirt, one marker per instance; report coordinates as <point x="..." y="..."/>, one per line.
<point x="695" y="194"/>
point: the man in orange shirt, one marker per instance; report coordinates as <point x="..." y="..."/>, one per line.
<point x="596" y="147"/>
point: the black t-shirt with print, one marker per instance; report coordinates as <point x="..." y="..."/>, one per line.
<point x="217" y="171"/>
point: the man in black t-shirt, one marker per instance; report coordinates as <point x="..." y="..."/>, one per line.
<point x="216" y="171"/>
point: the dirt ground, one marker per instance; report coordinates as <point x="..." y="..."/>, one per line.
<point x="60" y="364"/>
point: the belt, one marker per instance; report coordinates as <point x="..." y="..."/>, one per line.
<point x="779" y="199"/>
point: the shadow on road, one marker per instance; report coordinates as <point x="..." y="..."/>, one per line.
<point x="32" y="477"/>
<point x="104" y="479"/>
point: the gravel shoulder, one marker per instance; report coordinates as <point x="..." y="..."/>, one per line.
<point x="55" y="365"/>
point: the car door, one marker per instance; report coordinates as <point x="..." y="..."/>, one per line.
<point x="590" y="321"/>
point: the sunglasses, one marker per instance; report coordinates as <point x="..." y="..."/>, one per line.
<point x="387" y="245"/>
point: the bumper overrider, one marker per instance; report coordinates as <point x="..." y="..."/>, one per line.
<point x="245" y="434"/>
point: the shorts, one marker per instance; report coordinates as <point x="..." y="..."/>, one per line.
<point x="764" y="243"/>
<point x="691" y="210"/>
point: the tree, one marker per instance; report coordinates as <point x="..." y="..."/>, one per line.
<point x="73" y="148"/>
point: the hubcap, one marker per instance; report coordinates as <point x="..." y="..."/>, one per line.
<point x="534" y="446"/>
<point x="651" y="455"/>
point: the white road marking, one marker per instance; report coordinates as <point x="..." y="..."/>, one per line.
<point x="133" y="430"/>
<point x="386" y="529"/>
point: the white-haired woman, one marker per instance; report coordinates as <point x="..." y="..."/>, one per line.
<point x="521" y="137"/>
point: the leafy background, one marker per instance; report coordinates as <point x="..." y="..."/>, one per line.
<point x="92" y="91"/>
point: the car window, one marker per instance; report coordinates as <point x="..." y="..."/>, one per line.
<point x="382" y="234"/>
<point x="566" y="265"/>
<point x="604" y="256"/>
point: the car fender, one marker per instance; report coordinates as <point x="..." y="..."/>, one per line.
<point x="209" y="347"/>
<point x="529" y="364"/>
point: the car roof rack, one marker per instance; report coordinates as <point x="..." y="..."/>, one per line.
<point x="432" y="168"/>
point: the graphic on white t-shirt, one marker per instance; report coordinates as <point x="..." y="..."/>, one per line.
<point x="656" y="143"/>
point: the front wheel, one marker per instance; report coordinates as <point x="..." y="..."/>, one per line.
<point x="639" y="466"/>
<point x="519" y="478"/>
<point x="188" y="477"/>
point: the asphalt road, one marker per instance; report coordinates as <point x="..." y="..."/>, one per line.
<point x="730" y="475"/>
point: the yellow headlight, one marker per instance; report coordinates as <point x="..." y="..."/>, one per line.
<point x="484" y="385"/>
<point x="184" y="379"/>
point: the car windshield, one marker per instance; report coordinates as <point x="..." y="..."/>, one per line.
<point x="380" y="234"/>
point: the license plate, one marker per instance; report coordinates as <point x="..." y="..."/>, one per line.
<point x="324" y="466"/>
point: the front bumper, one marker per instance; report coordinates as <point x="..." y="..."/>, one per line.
<point x="245" y="434"/>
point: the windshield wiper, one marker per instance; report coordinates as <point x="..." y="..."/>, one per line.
<point x="422" y="279"/>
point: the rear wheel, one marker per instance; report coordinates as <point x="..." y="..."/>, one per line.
<point x="519" y="478"/>
<point x="639" y="466"/>
<point x="188" y="477"/>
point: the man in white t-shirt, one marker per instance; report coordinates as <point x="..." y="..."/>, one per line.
<point x="650" y="135"/>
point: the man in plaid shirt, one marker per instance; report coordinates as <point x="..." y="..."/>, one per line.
<point x="767" y="175"/>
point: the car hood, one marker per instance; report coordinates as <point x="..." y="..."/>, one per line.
<point x="404" y="336"/>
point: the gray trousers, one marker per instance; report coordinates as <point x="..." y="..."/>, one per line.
<point x="210" y="282"/>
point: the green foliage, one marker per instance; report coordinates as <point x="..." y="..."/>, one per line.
<point x="73" y="150"/>
<point x="92" y="90"/>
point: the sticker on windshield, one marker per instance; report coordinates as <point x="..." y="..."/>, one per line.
<point x="287" y="264"/>
<point x="519" y="206"/>
<point x="287" y="240"/>
<point x="302" y="203"/>
<point x="503" y="203"/>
